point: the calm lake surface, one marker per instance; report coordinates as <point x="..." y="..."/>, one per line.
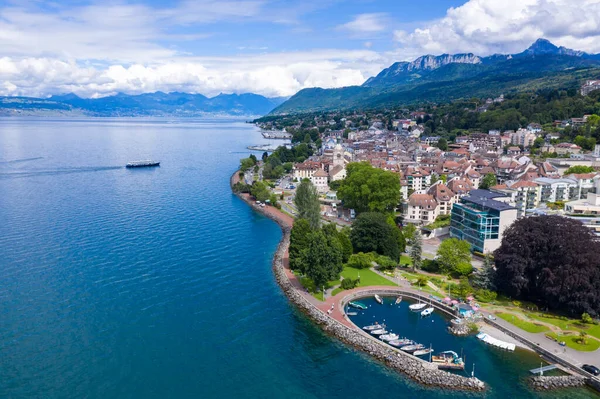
<point x="156" y="283"/>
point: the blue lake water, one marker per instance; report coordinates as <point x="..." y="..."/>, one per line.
<point x="156" y="283"/>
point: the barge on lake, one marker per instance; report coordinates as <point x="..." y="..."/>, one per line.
<point x="142" y="164"/>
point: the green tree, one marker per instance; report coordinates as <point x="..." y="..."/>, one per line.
<point x="260" y="191"/>
<point x="579" y="169"/>
<point x="322" y="258"/>
<point x="307" y="202"/>
<point x="253" y="158"/>
<point x="485" y="277"/>
<point x="361" y="260"/>
<point x="452" y="254"/>
<point x="372" y="233"/>
<point x="488" y="181"/>
<point x="416" y="250"/>
<point x="442" y="144"/>
<point x="344" y="237"/>
<point x="366" y="188"/>
<point x="409" y="231"/>
<point x="246" y="164"/>
<point x="586" y="318"/>
<point x="298" y="242"/>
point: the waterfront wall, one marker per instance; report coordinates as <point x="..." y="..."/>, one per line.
<point x="552" y="357"/>
<point x="547" y="383"/>
<point x="423" y="372"/>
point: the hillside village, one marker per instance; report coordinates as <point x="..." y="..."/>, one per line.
<point x="472" y="188"/>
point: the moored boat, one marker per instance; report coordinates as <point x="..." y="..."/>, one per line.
<point x="375" y="326"/>
<point x="422" y="352"/>
<point x="378" y="299"/>
<point x="417" y="307"/>
<point x="412" y="348"/>
<point x="427" y="312"/>
<point x="357" y="305"/>
<point x="389" y="337"/>
<point x="398" y="300"/>
<point x="379" y="332"/>
<point x="448" y="360"/>
<point x="398" y="343"/>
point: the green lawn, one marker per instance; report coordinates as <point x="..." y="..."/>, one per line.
<point x="367" y="278"/>
<point x="567" y="325"/>
<point x="308" y="284"/>
<point x="522" y="324"/>
<point x="405" y="260"/>
<point x="571" y="341"/>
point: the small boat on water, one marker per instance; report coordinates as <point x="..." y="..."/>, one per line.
<point x="375" y="326"/>
<point x="427" y="312"/>
<point x="351" y="313"/>
<point x="378" y="299"/>
<point x="379" y="332"/>
<point x="398" y="300"/>
<point x="412" y="348"/>
<point x="142" y="164"/>
<point x="398" y="343"/>
<point x="422" y="352"/>
<point x="417" y="307"/>
<point x="357" y="305"/>
<point x="389" y="337"/>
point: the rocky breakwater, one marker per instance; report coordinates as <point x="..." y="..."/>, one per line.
<point x="547" y="383"/>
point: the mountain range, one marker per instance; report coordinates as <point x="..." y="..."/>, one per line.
<point x="149" y="104"/>
<point x="448" y="77"/>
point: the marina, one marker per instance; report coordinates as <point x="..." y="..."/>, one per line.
<point x="457" y="354"/>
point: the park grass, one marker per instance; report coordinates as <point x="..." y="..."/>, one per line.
<point x="568" y="324"/>
<point x="310" y="286"/>
<point x="522" y="324"/>
<point x="367" y="278"/>
<point x="405" y="260"/>
<point x="572" y="342"/>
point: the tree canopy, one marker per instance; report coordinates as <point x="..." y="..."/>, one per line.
<point x="260" y="191"/>
<point x="298" y="241"/>
<point x="321" y="259"/>
<point x="578" y="169"/>
<point x="307" y="202"/>
<point x="366" y="188"/>
<point x="454" y="256"/>
<point x="551" y="260"/>
<point x="371" y="232"/>
<point x="488" y="181"/>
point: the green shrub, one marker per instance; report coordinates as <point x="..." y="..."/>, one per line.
<point x="385" y="263"/>
<point x="430" y="265"/>
<point x="586" y="318"/>
<point x="361" y="260"/>
<point x="486" y="295"/>
<point x="348" y="283"/>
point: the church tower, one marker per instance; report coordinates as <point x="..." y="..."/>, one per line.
<point x="338" y="155"/>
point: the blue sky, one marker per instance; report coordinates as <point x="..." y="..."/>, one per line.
<point x="270" y="47"/>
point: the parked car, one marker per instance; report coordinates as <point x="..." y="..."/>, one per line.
<point x="591" y="369"/>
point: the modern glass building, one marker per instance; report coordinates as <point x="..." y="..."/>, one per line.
<point x="480" y="218"/>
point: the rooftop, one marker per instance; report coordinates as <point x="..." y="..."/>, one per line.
<point x="487" y="199"/>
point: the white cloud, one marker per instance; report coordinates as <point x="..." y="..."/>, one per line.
<point x="508" y="26"/>
<point x="41" y="77"/>
<point x="366" y="24"/>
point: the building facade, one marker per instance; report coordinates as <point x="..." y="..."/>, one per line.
<point x="481" y="219"/>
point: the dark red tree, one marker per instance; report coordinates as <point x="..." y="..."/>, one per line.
<point x="553" y="261"/>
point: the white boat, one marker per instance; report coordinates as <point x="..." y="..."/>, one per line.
<point x="422" y="352"/>
<point x="376" y="326"/>
<point x="398" y="343"/>
<point x="378" y="299"/>
<point x="398" y="300"/>
<point x="417" y="307"/>
<point x="389" y="337"/>
<point x="412" y="348"/>
<point x="381" y="331"/>
<point x="427" y="312"/>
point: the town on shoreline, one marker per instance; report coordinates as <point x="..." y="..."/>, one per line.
<point x="381" y="209"/>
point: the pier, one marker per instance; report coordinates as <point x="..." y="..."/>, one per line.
<point x="542" y="370"/>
